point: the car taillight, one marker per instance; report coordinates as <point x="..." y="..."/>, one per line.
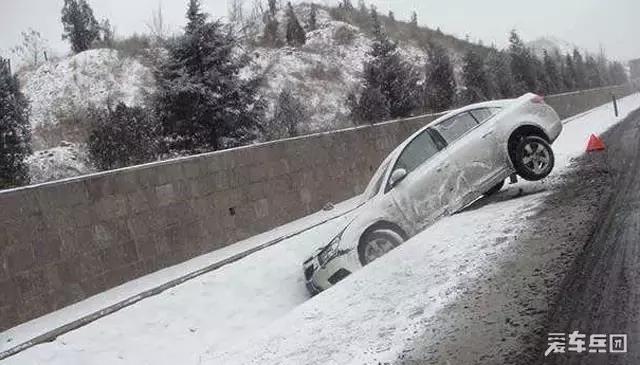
<point x="538" y="99"/>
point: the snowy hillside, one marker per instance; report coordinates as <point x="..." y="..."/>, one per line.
<point x="66" y="160"/>
<point x="323" y="71"/>
<point x="321" y="74"/>
<point x="60" y="94"/>
<point x="62" y="91"/>
<point x="551" y="44"/>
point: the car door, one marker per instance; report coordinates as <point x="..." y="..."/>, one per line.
<point x="473" y="154"/>
<point x="422" y="195"/>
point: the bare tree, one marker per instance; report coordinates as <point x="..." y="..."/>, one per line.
<point x="253" y="21"/>
<point x="33" y="48"/>
<point x="236" y="12"/>
<point x="157" y="26"/>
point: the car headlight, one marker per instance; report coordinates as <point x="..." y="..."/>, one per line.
<point x="330" y="251"/>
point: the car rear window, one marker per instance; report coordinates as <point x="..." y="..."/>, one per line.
<point x="455" y="127"/>
<point x="484" y="114"/>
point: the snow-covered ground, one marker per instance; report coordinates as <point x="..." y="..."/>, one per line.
<point x="61" y="90"/>
<point x="323" y="71"/>
<point x="257" y="311"/>
<point x="66" y="160"/>
<point x="39" y="326"/>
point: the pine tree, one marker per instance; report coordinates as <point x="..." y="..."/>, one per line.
<point x="569" y="76"/>
<point x="440" y="84"/>
<point x="80" y="26"/>
<point x="618" y="74"/>
<point x="196" y="19"/>
<point x="106" y="35"/>
<point x="594" y="79"/>
<point x="362" y="7"/>
<point x="522" y="65"/>
<point x="551" y="74"/>
<point x="499" y="74"/>
<point x="312" y="22"/>
<point x="474" y="77"/>
<point x="413" y="23"/>
<point x="15" y="133"/>
<point x="271" y="36"/>
<point x="389" y="81"/>
<point x="372" y="107"/>
<point x="124" y="136"/>
<point x="347" y="5"/>
<point x="273" y="7"/>
<point x="603" y="68"/>
<point x="344" y="12"/>
<point x="202" y="101"/>
<point x="561" y="67"/>
<point x="295" y="33"/>
<point x="580" y="70"/>
<point x="376" y="26"/>
<point x="289" y="111"/>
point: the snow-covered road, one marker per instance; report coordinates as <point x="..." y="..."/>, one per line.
<point x="257" y="311"/>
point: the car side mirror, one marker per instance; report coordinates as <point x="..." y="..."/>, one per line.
<point x="397" y="176"/>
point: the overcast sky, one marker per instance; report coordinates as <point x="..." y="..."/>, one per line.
<point x="590" y="24"/>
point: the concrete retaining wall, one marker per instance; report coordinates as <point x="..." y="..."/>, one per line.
<point x="64" y="241"/>
<point x="571" y="104"/>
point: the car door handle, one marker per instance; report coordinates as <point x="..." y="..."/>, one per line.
<point x="487" y="134"/>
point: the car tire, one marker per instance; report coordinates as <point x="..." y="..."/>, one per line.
<point x="495" y="189"/>
<point x="377" y="243"/>
<point x="534" y="158"/>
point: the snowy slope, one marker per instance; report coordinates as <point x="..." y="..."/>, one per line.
<point x="551" y="44"/>
<point x="57" y="91"/>
<point x="255" y="311"/>
<point x="323" y="71"/>
<point x="61" y="162"/>
<point x="321" y="74"/>
<point x="60" y="92"/>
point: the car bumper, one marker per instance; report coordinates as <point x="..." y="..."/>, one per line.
<point x="555" y="130"/>
<point x="312" y="288"/>
<point x="318" y="277"/>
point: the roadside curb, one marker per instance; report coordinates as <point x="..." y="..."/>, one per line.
<point x="51" y="335"/>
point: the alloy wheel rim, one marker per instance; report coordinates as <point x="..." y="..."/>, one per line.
<point x="536" y="157"/>
<point x="377" y="248"/>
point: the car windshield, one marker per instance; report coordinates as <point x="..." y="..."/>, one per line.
<point x="376" y="181"/>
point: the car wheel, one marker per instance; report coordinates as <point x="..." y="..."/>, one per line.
<point x="495" y="189"/>
<point x="376" y="244"/>
<point x="534" y="158"/>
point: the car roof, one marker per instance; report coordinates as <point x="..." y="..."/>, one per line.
<point x="486" y="104"/>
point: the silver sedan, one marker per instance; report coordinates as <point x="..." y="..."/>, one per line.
<point x="437" y="171"/>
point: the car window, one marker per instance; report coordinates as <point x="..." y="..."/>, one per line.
<point x="454" y="128"/>
<point x="482" y="115"/>
<point x="418" y="151"/>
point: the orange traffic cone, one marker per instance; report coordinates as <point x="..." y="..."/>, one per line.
<point x="595" y="144"/>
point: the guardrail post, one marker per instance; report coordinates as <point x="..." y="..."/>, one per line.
<point x="615" y="104"/>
